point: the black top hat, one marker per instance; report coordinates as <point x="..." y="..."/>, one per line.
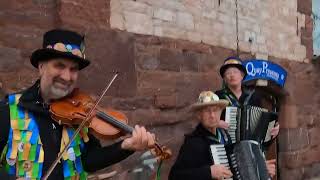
<point x="232" y="62"/>
<point x="59" y="43"/>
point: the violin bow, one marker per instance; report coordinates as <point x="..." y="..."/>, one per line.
<point x="54" y="164"/>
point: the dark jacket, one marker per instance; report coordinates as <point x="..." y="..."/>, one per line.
<point x="94" y="157"/>
<point x="227" y="94"/>
<point x="194" y="158"/>
<point x="254" y="100"/>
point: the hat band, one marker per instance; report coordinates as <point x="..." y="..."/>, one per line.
<point x="232" y="61"/>
<point x="71" y="48"/>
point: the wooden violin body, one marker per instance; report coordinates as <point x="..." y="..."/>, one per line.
<point x="73" y="109"/>
<point x="104" y="123"/>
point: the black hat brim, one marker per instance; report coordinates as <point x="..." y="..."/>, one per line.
<point x="47" y="54"/>
<point x="239" y="66"/>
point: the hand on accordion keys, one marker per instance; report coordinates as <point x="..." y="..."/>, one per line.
<point x="220" y="172"/>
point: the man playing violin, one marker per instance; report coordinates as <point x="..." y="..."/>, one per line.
<point x="30" y="140"/>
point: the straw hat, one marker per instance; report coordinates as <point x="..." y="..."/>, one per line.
<point x="208" y="98"/>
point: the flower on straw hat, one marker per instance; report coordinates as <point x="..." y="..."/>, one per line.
<point x="208" y="98"/>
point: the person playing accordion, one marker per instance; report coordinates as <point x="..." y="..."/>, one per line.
<point x="195" y="159"/>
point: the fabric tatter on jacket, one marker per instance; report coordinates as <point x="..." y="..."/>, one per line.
<point x="94" y="157"/>
<point x="194" y="158"/>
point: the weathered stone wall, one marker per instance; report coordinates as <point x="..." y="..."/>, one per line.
<point x="166" y="57"/>
<point x="265" y="27"/>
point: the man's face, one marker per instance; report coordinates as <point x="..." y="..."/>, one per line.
<point x="210" y="116"/>
<point x="233" y="76"/>
<point x="57" y="78"/>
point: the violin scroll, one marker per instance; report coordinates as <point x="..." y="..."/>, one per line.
<point x="162" y="152"/>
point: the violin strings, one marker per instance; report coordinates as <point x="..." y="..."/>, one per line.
<point x="54" y="164"/>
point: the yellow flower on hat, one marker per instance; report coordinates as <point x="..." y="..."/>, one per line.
<point x="206" y="99"/>
<point x="76" y="52"/>
<point x="60" y="47"/>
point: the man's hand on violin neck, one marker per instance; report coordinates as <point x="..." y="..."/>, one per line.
<point x="141" y="139"/>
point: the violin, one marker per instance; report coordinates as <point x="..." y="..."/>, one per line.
<point x="79" y="109"/>
<point x="106" y="124"/>
<point x="72" y="110"/>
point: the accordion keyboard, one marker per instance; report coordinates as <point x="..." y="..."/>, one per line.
<point x="219" y="156"/>
<point x="231" y="119"/>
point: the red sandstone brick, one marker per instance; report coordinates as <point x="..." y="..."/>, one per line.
<point x="305" y="6"/>
<point x="293" y="139"/>
<point x="165" y="100"/>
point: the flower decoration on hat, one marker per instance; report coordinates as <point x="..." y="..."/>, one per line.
<point x="208" y="98"/>
<point x="74" y="49"/>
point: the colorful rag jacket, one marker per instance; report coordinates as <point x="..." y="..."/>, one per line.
<point x="24" y="155"/>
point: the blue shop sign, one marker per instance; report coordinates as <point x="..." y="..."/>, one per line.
<point x="262" y="69"/>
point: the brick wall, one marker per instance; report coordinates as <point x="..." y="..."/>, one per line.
<point x="169" y="51"/>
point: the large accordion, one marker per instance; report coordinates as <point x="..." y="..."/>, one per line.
<point x="250" y="123"/>
<point x="244" y="159"/>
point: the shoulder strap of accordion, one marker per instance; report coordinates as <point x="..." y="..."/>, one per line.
<point x="250" y="93"/>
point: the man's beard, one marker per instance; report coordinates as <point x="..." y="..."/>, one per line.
<point x="57" y="93"/>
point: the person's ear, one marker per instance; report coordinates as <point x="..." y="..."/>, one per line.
<point x="242" y="74"/>
<point x="41" y="67"/>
